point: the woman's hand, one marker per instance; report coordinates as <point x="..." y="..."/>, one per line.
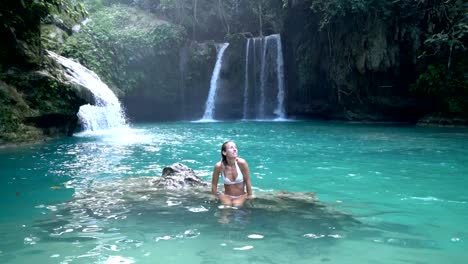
<point x="215" y="196"/>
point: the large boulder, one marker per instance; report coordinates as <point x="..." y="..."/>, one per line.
<point x="178" y="176"/>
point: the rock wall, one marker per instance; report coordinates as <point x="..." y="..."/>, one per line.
<point x="35" y="100"/>
<point x="37" y="104"/>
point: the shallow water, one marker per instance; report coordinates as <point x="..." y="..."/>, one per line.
<point x="387" y="194"/>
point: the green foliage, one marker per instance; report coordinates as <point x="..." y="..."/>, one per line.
<point x="329" y="10"/>
<point x="216" y="19"/>
<point x="14" y="12"/>
<point x="71" y="8"/>
<point x="445" y="78"/>
<point x="8" y="119"/>
<point x="26" y="95"/>
<point x="118" y="40"/>
<point x="200" y="56"/>
<point x="452" y="30"/>
<point x="49" y="96"/>
<point x="93" y="5"/>
<point x="167" y="4"/>
<point x="447" y="20"/>
<point x="448" y="88"/>
<point x="20" y="23"/>
<point x="441" y="24"/>
<point x="267" y="13"/>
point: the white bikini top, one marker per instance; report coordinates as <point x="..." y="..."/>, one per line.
<point x="239" y="178"/>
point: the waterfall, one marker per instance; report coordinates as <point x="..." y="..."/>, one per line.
<point x="246" y="77"/>
<point x="264" y="86"/>
<point x="279" y="111"/>
<point x="210" y="101"/>
<point x="107" y="112"/>
<point x="261" y="105"/>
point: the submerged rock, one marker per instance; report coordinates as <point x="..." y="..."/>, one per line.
<point x="180" y="187"/>
<point x="179" y="197"/>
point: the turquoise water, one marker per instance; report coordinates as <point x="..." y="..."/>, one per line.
<point x="387" y="194"/>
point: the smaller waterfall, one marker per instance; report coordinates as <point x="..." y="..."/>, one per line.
<point x="107" y="112"/>
<point x="210" y="101"/>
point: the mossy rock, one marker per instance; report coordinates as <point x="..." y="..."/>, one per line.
<point x="37" y="104"/>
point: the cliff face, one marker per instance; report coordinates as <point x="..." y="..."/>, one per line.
<point x="359" y="67"/>
<point x="35" y="101"/>
<point x="21" y="42"/>
<point x="37" y="104"/>
<point x="175" y="88"/>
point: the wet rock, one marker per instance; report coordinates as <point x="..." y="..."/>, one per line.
<point x="178" y="176"/>
<point x="38" y="104"/>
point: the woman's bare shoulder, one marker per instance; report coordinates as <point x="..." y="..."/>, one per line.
<point x="241" y="161"/>
<point x="219" y="165"/>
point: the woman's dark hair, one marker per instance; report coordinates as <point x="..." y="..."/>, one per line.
<point x="223" y="148"/>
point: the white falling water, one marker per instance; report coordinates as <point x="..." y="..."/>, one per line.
<point x="279" y="111"/>
<point x="261" y="105"/>
<point x="107" y="112"/>
<point x="265" y="91"/>
<point x="210" y="101"/>
<point x="246" y="83"/>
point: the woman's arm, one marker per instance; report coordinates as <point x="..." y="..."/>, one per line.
<point x="246" y="172"/>
<point x="215" y="178"/>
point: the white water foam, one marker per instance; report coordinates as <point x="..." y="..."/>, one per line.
<point x="107" y="112"/>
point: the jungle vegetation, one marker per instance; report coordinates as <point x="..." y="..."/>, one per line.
<point x="344" y="59"/>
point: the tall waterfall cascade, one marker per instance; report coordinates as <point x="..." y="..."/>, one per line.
<point x="264" y="79"/>
<point x="107" y="112"/>
<point x="210" y="101"/>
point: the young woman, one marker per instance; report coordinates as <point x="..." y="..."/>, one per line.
<point x="235" y="176"/>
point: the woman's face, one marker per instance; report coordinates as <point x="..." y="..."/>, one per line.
<point x="231" y="150"/>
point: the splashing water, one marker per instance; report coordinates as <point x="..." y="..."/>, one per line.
<point x="107" y="112"/>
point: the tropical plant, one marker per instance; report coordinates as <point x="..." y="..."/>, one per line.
<point x="450" y="36"/>
<point x="118" y="39"/>
<point x="448" y="88"/>
<point x="13" y="12"/>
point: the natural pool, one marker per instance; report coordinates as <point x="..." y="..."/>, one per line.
<point x="388" y="194"/>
